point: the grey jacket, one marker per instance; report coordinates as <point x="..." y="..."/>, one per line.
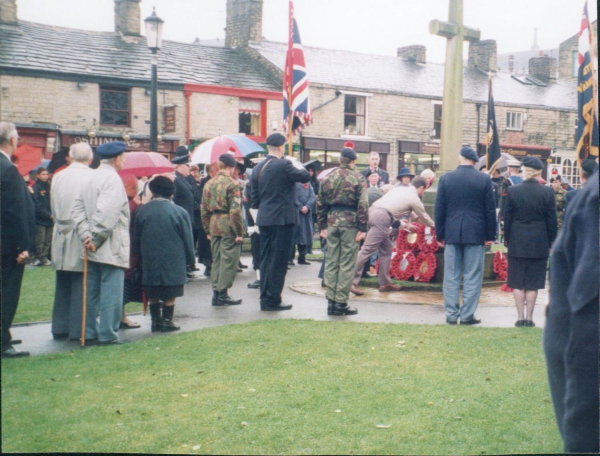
<point x="101" y="210"/>
<point x="67" y="248"/>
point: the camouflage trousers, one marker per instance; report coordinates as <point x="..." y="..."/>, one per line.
<point x="226" y="257"/>
<point x="340" y="262"/>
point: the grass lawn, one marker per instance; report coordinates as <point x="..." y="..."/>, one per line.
<point x="288" y="387"/>
<point x="37" y="296"/>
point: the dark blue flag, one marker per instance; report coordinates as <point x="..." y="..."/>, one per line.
<point x="492" y="141"/>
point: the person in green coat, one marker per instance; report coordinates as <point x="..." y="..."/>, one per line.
<point x="342" y="211"/>
<point x="221" y="214"/>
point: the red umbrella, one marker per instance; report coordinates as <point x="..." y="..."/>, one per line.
<point x="28" y="157"/>
<point x="209" y="151"/>
<point x="140" y="164"/>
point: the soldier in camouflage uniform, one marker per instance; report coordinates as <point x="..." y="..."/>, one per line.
<point x="222" y="220"/>
<point x="559" y="195"/>
<point x="342" y="211"/>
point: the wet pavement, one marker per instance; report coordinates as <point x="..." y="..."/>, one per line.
<point x="194" y="310"/>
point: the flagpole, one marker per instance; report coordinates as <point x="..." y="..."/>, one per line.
<point x="290" y="121"/>
<point x="290" y="70"/>
<point x="487" y="136"/>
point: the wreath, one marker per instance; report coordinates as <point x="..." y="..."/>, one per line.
<point x="427" y="239"/>
<point x="425" y="267"/>
<point x="402" y="265"/>
<point x="410" y="241"/>
<point x="500" y="264"/>
<point x="506" y="288"/>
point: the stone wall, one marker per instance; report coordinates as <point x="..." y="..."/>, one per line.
<point x="416" y="53"/>
<point x="8" y="11"/>
<point x="483" y="55"/>
<point x="244" y="22"/>
<point x="565" y="54"/>
<point x="127" y="17"/>
<point x="543" y="67"/>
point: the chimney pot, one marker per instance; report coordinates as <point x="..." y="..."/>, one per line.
<point x="483" y="55"/>
<point x="8" y="12"/>
<point x="128" y="17"/>
<point x="416" y="53"/>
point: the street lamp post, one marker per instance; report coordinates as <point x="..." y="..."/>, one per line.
<point x="154" y="28"/>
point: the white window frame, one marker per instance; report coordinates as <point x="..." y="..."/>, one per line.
<point x="366" y="96"/>
<point x="514" y="120"/>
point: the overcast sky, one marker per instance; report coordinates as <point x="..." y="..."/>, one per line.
<point x="373" y="26"/>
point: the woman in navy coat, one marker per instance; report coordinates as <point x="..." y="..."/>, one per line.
<point x="303" y="233"/>
<point x="530" y="229"/>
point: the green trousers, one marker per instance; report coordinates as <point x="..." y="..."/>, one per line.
<point x="226" y="257"/>
<point x="340" y="262"/>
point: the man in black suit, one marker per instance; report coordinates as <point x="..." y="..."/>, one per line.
<point x="18" y="234"/>
<point x="185" y="194"/>
<point x="465" y="221"/>
<point x="273" y="193"/>
<point x="588" y="167"/>
<point x="571" y="332"/>
<point x="374" y="168"/>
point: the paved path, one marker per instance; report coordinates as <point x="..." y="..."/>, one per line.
<point x="194" y="311"/>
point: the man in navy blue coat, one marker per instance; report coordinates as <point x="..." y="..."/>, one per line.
<point x="571" y="332"/>
<point x="273" y="193"/>
<point x="465" y="221"/>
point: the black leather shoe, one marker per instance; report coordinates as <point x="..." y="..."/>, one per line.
<point x="226" y="300"/>
<point x="243" y="266"/>
<point x="112" y="342"/>
<point x="473" y="321"/>
<point x="168" y="326"/>
<point x="254" y="285"/>
<point x="15" y="341"/>
<point x="276" y="308"/>
<point x="529" y="323"/>
<point x="215" y="298"/>
<point x="60" y="336"/>
<point x="344" y="309"/>
<point x="451" y="322"/>
<point x="330" y="306"/>
<point x="520" y="323"/>
<point x="12" y="352"/>
<point x="303" y="262"/>
<point x="207" y="272"/>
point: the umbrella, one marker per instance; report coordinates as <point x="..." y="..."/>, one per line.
<point x="209" y="151"/>
<point x="58" y="161"/>
<point x="315" y="164"/>
<point x="325" y="173"/>
<point x="140" y="164"/>
<point x="44" y="164"/>
<point x="503" y="158"/>
<point x="28" y="157"/>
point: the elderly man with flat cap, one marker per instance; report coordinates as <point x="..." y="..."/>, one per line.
<point x="101" y="217"/>
<point x="342" y="210"/>
<point x="273" y="193"/>
<point x="221" y="214"/>
<point x="465" y="221"/>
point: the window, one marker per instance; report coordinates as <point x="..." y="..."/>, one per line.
<point x="355" y="109"/>
<point x="114" y="106"/>
<point x="575" y="63"/>
<point x="437" y="120"/>
<point x="250" y="117"/>
<point x="514" y="120"/>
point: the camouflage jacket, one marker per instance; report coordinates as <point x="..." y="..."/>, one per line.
<point x="559" y="195"/>
<point x="343" y="200"/>
<point x="221" y="208"/>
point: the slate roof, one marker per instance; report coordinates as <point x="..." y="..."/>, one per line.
<point x="521" y="59"/>
<point x="38" y="47"/>
<point x="366" y="72"/>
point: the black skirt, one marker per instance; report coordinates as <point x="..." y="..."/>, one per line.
<point x="163" y="292"/>
<point x="527" y="273"/>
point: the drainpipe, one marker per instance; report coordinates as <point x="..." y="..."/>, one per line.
<point x="337" y="95"/>
<point x="187" y="102"/>
<point x="478" y="105"/>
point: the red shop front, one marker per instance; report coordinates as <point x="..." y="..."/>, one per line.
<point x="135" y="143"/>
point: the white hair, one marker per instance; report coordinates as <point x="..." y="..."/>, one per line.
<point x="531" y="173"/>
<point x="7" y="132"/>
<point x="427" y="174"/>
<point x="108" y="161"/>
<point x="81" y="152"/>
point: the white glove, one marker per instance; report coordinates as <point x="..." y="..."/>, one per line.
<point x="252" y="230"/>
<point x="295" y="162"/>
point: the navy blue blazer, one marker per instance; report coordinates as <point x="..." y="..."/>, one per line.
<point x="184" y="194"/>
<point x="273" y="191"/>
<point x="465" y="211"/>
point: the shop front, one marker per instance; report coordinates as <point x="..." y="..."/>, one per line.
<point x="519" y="151"/>
<point x="419" y="155"/>
<point x="327" y="151"/>
<point x="42" y="136"/>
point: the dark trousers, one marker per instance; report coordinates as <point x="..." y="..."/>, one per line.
<point x="276" y="243"/>
<point x="255" y="247"/>
<point x="12" y="277"/>
<point x="68" y="301"/>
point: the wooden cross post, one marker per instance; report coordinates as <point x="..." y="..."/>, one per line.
<point x="452" y="118"/>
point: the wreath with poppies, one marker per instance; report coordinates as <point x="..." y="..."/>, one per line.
<point x="427" y="239"/>
<point x="409" y="241"/>
<point x="403" y="265"/>
<point x="425" y="267"/>
<point x="500" y="265"/>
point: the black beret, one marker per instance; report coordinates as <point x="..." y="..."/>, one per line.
<point x="227" y="159"/>
<point x="276" y="140"/>
<point x="589" y="165"/>
<point x="533" y="162"/>
<point x="349" y="153"/>
<point x="469" y="154"/>
<point x="162" y="186"/>
<point x="111" y="149"/>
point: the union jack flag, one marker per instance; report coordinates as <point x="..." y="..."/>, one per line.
<point x="296" y="103"/>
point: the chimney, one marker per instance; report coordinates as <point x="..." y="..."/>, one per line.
<point x="535" y="46"/>
<point x="415" y="53"/>
<point x="244" y="22"/>
<point x="8" y="11"/>
<point x="128" y="17"/>
<point x="483" y="55"/>
<point x="543" y="67"/>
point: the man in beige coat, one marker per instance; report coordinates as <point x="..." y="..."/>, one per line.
<point x="394" y="204"/>
<point x="101" y="216"/>
<point x="67" y="248"/>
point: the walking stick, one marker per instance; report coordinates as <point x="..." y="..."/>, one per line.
<point x="84" y="301"/>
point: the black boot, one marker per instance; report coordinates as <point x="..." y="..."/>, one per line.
<point x="330" y="307"/>
<point x="167" y="324"/>
<point x="155" y="316"/>
<point x="215" y="298"/>
<point x="343" y="309"/>
<point x="226" y="300"/>
<point x="302" y="260"/>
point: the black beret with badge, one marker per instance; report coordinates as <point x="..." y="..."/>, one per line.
<point x="349" y="153"/>
<point x="228" y="160"/>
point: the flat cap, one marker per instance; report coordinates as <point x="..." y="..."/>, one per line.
<point x="276" y="140"/>
<point x="228" y="160"/>
<point x="589" y="165"/>
<point x="469" y="154"/>
<point x="111" y="149"/>
<point x="349" y="153"/>
<point x="533" y="162"/>
<point x="162" y="186"/>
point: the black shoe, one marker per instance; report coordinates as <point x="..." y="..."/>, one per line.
<point x="112" y="342"/>
<point x="472" y="321"/>
<point x="520" y="323"/>
<point x="215" y="298"/>
<point x="254" y="285"/>
<point x="344" y="309"/>
<point x="323" y="284"/>
<point x="451" y="322"/>
<point x="275" y="308"/>
<point x="194" y="268"/>
<point x="330" y="306"/>
<point x="529" y="323"/>
<point x="156" y="318"/>
<point x="303" y="261"/>
<point x="226" y="300"/>
<point x="168" y="326"/>
<point x="207" y="272"/>
<point x="12" y="352"/>
<point x="190" y="275"/>
<point x="242" y="265"/>
<point x="60" y="336"/>
<point x="16" y="341"/>
<point x="291" y="263"/>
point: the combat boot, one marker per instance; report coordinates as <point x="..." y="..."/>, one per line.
<point x="215" y="298"/>
<point x="167" y="324"/>
<point x="344" y="309"/>
<point x="330" y="307"/>
<point x="226" y="300"/>
<point x="155" y="316"/>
